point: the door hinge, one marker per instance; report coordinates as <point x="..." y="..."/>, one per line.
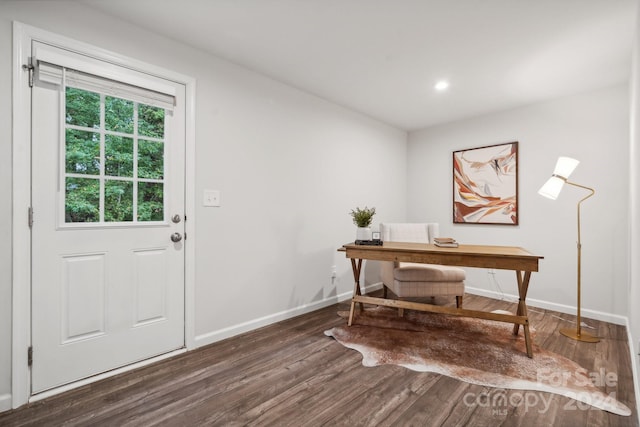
<point x="30" y="68"/>
<point x="30" y="217"/>
<point x="30" y="356"/>
<point x="185" y="236"/>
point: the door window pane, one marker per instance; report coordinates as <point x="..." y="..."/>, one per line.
<point x="118" y="152"/>
<point x="82" y="108"/>
<point x="118" y="201"/>
<point x="82" y="152"/>
<point x="150" y="159"/>
<point x="82" y="200"/>
<point x="151" y="121"/>
<point x="150" y="201"/>
<point x="118" y="114"/>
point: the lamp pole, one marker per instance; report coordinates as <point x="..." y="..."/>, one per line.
<point x="578" y="334"/>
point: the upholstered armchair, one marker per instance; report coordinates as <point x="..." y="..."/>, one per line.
<point x="412" y="280"/>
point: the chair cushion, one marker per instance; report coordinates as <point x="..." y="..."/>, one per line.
<point x="413" y="272"/>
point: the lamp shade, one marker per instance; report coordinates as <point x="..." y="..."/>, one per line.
<point x="551" y="189"/>
<point x="565" y="166"/>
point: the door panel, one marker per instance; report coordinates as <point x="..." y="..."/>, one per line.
<point x="150" y="285"/>
<point x="107" y="281"/>
<point x="83" y="297"/>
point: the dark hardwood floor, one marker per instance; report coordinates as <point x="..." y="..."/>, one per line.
<point x="290" y="373"/>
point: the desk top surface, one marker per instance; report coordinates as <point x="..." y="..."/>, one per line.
<point x="479" y="250"/>
<point x="487" y="256"/>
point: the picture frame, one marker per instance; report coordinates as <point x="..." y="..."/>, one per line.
<point x="375" y="235"/>
<point x="485" y="185"/>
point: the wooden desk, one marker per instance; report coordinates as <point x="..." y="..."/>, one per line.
<point x="496" y="257"/>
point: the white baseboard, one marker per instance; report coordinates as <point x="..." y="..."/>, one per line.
<point x="231" y="331"/>
<point x="562" y="308"/>
<point x="5" y="402"/>
<point x="368" y="288"/>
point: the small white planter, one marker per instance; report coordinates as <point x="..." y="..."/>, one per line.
<point x="363" y="233"/>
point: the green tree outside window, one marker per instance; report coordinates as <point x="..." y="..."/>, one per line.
<point x="132" y="139"/>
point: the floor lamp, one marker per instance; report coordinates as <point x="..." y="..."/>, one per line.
<point x="551" y="189"/>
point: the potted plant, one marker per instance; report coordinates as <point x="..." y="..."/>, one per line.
<point x="362" y="218"/>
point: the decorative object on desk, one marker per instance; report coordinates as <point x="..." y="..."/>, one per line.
<point x="371" y="242"/>
<point x="551" y="189"/>
<point x="375" y="240"/>
<point x="363" y="218"/>
<point x="485" y="185"/>
<point x="445" y="242"/>
<point x="472" y="350"/>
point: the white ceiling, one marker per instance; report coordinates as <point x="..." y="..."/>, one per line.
<point x="382" y="57"/>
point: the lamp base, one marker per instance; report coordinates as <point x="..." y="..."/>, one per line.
<point x="583" y="336"/>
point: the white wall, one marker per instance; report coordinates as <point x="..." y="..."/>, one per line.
<point x="591" y="127"/>
<point x="290" y="167"/>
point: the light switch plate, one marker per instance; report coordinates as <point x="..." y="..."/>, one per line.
<point x="211" y="198"/>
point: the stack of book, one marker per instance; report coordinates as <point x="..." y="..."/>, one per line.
<point x="445" y="242"/>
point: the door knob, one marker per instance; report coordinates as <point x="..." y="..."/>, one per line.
<point x="176" y="218"/>
<point x="176" y="237"/>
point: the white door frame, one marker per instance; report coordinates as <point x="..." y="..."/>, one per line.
<point x="23" y="35"/>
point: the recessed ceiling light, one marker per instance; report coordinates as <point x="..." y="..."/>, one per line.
<point x="441" y="85"/>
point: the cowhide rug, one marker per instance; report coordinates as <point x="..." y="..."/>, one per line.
<point x="472" y="350"/>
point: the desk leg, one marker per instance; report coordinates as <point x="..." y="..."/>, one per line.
<point x="356" y="265"/>
<point x="523" y="287"/>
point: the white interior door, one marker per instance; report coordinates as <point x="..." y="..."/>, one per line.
<point x="107" y="197"/>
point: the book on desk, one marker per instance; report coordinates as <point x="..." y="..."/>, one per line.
<point x="445" y="242"/>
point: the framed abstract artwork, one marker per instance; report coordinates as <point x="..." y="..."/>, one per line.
<point x="485" y="185"/>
